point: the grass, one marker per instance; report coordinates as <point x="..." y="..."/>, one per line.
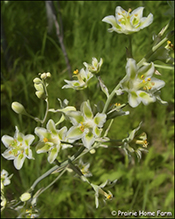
<point x="147" y="185"/>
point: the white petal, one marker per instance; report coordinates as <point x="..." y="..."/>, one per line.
<point x="51" y="126"/>
<point x="41" y="132"/>
<point x="8" y="154"/>
<point x="158" y="84"/>
<point x="147" y="71"/>
<point x="133" y="99"/>
<point x="28" y="139"/>
<point x="7" y="140"/>
<point x="146" y="21"/>
<point x="131" y="68"/>
<point x="75" y="133"/>
<point x="88" y="139"/>
<point x="100" y="119"/>
<point x="53" y="154"/>
<point x="86" y="110"/>
<point x="18" y="161"/>
<point x="139" y="12"/>
<point x="145" y="97"/>
<point x="119" y="11"/>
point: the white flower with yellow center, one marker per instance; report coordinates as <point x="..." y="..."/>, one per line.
<point x="81" y="83"/>
<point x="18" y="148"/>
<point x="140" y="84"/>
<point x="50" y="140"/>
<point x="85" y="125"/>
<point x="126" y="22"/>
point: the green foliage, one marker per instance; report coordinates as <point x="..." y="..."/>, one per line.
<point x="147" y="185"/>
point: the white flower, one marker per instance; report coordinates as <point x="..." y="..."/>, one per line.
<point x="99" y="190"/>
<point x="135" y="143"/>
<point x="140" y="84"/>
<point x="85" y="125"/>
<point x="50" y="140"/>
<point x="83" y="78"/>
<point x="95" y="66"/>
<point x="84" y="167"/>
<point x="5" y="179"/>
<point x="126" y="22"/>
<point x="18" y="148"/>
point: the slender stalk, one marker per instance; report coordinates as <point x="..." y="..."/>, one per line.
<point x="161" y="66"/>
<point x="44" y="189"/>
<point x="47" y="109"/>
<point x="157" y="46"/>
<point x="110" y="98"/>
<point x="57" y="167"/>
<point x="130" y="46"/>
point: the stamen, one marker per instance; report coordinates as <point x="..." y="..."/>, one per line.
<point x="129" y="10"/>
<point x="153" y="83"/>
<point x="145" y="143"/>
<point x="117" y="104"/>
<point x="82" y="127"/>
<point x="75" y="72"/>
<point x="45" y="140"/>
<point x="119" y="14"/>
<point x="169" y="42"/>
<point x="109" y="197"/>
<point x="149" y="79"/>
<point x="143" y="81"/>
<point x="136" y="15"/>
<point x="119" y="20"/>
<point x="142" y="76"/>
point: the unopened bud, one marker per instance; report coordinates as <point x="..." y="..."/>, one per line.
<point x="25" y="197"/>
<point x="37" y="81"/>
<point x="18" y="108"/>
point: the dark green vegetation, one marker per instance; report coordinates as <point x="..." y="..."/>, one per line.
<point x="147" y="185"/>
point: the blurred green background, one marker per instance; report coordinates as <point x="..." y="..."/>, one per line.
<point x="27" y="48"/>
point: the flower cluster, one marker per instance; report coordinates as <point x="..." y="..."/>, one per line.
<point x="84" y="75"/>
<point x="140" y="84"/>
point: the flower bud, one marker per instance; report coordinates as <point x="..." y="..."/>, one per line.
<point x="25" y="196"/>
<point x="37" y="81"/>
<point x="18" y="108"/>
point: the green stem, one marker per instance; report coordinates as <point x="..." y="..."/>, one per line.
<point x="47" y="109"/>
<point x="160" y="66"/>
<point x="110" y="98"/>
<point x="130" y="46"/>
<point x="157" y="46"/>
<point x="44" y="189"/>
